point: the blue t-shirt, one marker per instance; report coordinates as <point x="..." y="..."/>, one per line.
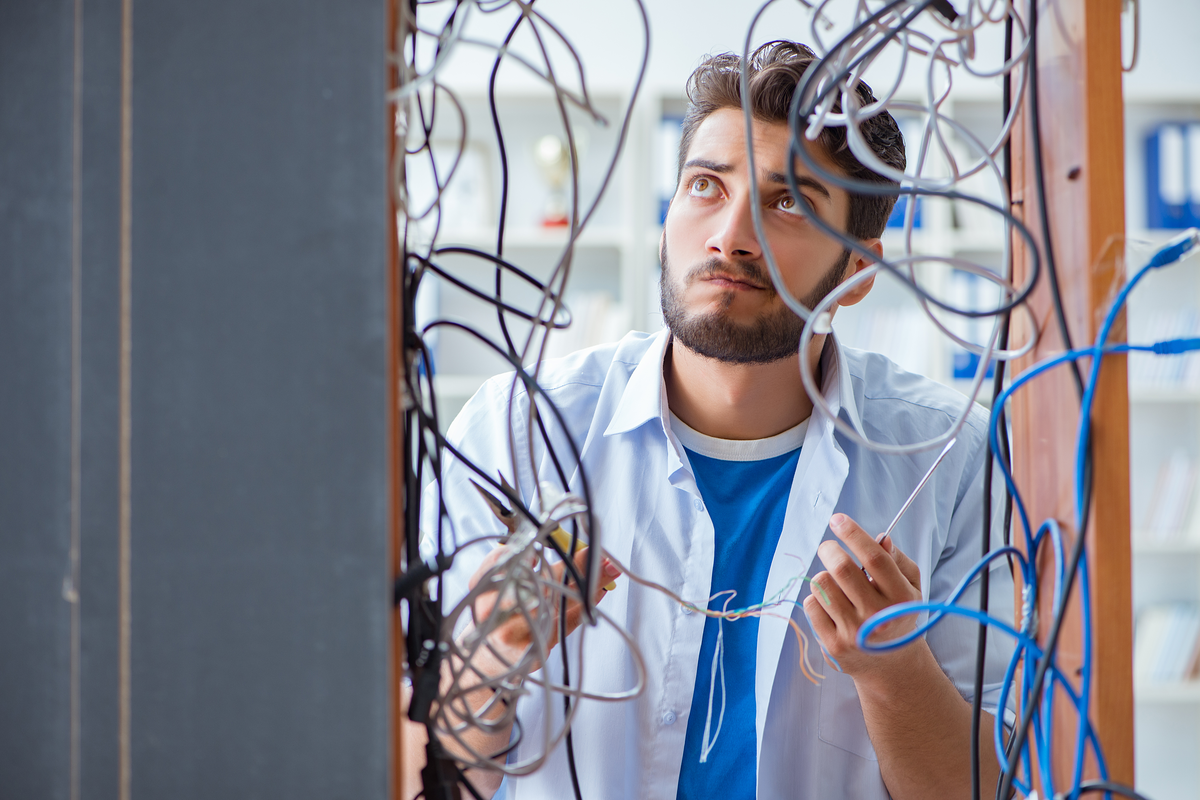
<point x="745" y="485"/>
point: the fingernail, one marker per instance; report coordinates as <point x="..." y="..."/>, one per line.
<point x="838" y="521"/>
<point x="610" y="569"/>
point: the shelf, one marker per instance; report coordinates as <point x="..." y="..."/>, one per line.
<point x="1164" y="394"/>
<point x="1142" y="545"/>
<point x="533" y="237"/>
<point x="1156" y="235"/>
<point x="1180" y="692"/>
<point x="925" y="241"/>
<point x="457" y="387"/>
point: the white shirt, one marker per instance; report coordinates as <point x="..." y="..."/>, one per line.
<point x="812" y="740"/>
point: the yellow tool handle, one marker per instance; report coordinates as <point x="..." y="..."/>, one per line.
<point x="563" y="540"/>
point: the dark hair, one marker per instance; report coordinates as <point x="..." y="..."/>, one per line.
<point x="776" y="68"/>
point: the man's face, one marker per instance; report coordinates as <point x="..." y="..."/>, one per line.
<point x="717" y="296"/>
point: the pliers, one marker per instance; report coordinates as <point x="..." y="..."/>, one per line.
<point x="512" y="522"/>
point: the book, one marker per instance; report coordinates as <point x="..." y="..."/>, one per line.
<point x="1166" y="642"/>
<point x="1167" y="516"/>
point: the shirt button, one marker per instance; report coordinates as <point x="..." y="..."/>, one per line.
<point x="686" y="609"/>
<point x="669" y="718"/>
<point x="699" y="505"/>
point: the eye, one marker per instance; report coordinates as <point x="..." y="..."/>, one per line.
<point x="788" y="205"/>
<point x="702" y="187"/>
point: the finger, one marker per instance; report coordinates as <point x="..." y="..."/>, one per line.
<point x="488" y="562"/>
<point x="581" y="564"/>
<point x="847" y="574"/>
<point x="875" y="560"/>
<point x="908" y="567"/>
<point x="608" y="573"/>
<point x="834" y="601"/>
<point x="822" y="624"/>
<point x="823" y="627"/>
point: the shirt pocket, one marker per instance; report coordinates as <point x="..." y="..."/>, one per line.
<point x="840" y="719"/>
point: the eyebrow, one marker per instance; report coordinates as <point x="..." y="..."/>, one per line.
<point x="770" y="177"/>
<point x="801" y="180"/>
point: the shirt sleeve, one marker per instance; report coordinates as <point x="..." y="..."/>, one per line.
<point x="468" y="529"/>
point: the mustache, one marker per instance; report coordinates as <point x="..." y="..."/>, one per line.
<point x="749" y="271"/>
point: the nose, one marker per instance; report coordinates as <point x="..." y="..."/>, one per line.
<point x="735" y="236"/>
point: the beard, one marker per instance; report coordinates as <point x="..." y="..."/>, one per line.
<point x="772" y="336"/>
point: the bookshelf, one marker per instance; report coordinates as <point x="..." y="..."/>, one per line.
<point x="616" y="258"/>
<point x="607" y="290"/>
<point x="1164" y="423"/>
<point x="1168" y="693"/>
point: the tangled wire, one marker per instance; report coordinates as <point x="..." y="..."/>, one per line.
<point x="535" y="571"/>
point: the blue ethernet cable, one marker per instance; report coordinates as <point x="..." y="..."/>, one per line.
<point x="1039" y="717"/>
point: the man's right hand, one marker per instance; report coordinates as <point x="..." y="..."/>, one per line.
<point x="512" y="638"/>
<point x="509" y="640"/>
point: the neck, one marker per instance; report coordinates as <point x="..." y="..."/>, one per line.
<point x="737" y="401"/>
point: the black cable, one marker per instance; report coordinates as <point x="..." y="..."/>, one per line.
<point x="796" y="115"/>
<point x="501" y="265"/>
<point x="566" y="668"/>
<point x="799" y="112"/>
<point x="1051" y="646"/>
<point x="533" y="388"/>
<point x="985" y="582"/>
<point x="1050" y="649"/>
<point x="503" y="172"/>
<point x="1039" y="177"/>
<point x="466" y="783"/>
<point x="422" y="421"/>
<point x="501" y="308"/>
<point x="997" y="388"/>
<point x="944" y="8"/>
<point x="1106" y="786"/>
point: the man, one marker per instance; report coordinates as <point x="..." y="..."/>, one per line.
<point x="709" y="473"/>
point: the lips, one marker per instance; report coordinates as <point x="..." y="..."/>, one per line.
<point x="736" y="282"/>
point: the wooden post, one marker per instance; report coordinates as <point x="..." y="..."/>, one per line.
<point x="1079" y="74"/>
<point x="396" y="361"/>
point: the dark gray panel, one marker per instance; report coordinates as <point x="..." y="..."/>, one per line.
<point x="36" y="46"/>
<point x="260" y="598"/>
<point x="259" y="436"/>
<point x="101" y="23"/>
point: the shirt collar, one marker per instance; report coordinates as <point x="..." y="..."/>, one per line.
<point x="645" y="396"/>
<point x="836" y="387"/>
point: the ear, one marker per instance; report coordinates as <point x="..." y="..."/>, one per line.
<point x="857" y="264"/>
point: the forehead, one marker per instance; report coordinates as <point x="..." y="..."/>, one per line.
<point x="721" y="137"/>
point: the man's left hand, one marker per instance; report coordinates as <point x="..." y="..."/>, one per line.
<point x="849" y="595"/>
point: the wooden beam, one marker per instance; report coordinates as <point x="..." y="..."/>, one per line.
<point x="1079" y="74"/>
<point x="396" y="360"/>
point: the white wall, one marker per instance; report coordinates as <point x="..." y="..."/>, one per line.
<point x="1169" y="62"/>
<point x="608" y="37"/>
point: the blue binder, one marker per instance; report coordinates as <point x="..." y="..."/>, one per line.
<point x="896" y="220"/>
<point x="974" y="292"/>
<point x="1173" y="176"/>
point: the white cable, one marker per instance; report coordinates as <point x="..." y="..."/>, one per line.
<point x="521" y="579"/>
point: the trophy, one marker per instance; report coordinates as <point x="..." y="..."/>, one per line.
<point x="553" y="159"/>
